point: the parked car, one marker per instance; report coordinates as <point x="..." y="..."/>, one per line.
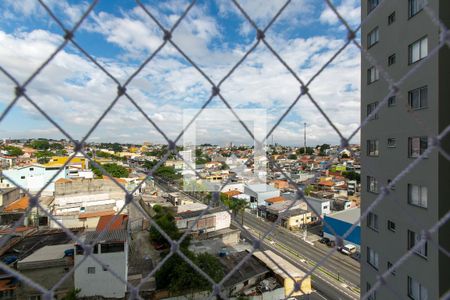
<point x="348" y="249"/>
<point x="331" y="243"/>
<point x="356" y="256"/>
<point x="324" y="240"/>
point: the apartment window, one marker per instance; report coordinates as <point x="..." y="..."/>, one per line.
<point x="370" y="108"/>
<point x="392" y="101"/>
<point x="391" y="18"/>
<point x="372" y="221"/>
<point x="113" y="247"/>
<point x="372" y="148"/>
<point x="389" y="266"/>
<point x="371" y="4"/>
<point x="418" y="50"/>
<point x="372" y="184"/>
<point x="391" y="225"/>
<point x="391" y="142"/>
<point x="413" y="239"/>
<point x="372" y="37"/>
<point x="373" y="295"/>
<point x="22" y="177"/>
<point x="416" y="290"/>
<point x="391" y="60"/>
<point x="372" y="75"/>
<point x="418" y="195"/>
<point x="392" y="186"/>
<point x="31" y="169"/>
<point x="372" y="258"/>
<point x="417" y="146"/>
<point x="91" y="270"/>
<point x="418" y="98"/>
<point x="414" y="7"/>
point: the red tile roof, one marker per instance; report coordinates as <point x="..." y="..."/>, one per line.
<point x="18" y="205"/>
<point x="96" y="214"/>
<point x="119" y="223"/>
<point x="275" y="199"/>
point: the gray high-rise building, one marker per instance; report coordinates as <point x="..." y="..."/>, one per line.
<point x="400" y="34"/>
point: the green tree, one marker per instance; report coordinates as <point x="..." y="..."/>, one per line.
<point x="178" y="276"/>
<point x="116" y="147"/>
<point x="237" y="206"/>
<point x="351" y="175"/>
<point x="308" y="189"/>
<point x="323" y="148"/>
<point x="40" y="144"/>
<point x="309" y="151"/>
<point x="72" y="294"/>
<point x="56" y="146"/>
<point x="292" y="156"/>
<point x="115" y="170"/>
<point x="44" y="156"/>
<point x="13" y="151"/>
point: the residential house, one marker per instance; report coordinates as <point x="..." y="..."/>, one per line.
<point x="320" y="206"/>
<point x="34" y="177"/>
<point x="213" y="220"/>
<point x="46" y="267"/>
<point x="260" y="192"/>
<point x="295" y="219"/>
<point x="95" y="279"/>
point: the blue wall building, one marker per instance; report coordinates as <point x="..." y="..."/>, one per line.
<point x="341" y="222"/>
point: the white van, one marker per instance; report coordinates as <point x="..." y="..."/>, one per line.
<point x="348" y="249"/>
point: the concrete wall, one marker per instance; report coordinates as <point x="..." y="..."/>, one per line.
<point x="87" y="186"/>
<point x="9" y="196"/>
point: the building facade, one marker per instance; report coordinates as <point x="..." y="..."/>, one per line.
<point x="399" y="35"/>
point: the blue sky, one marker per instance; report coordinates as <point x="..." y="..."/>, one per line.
<point x="214" y="35"/>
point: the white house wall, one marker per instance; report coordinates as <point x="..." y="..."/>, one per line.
<point x="102" y="283"/>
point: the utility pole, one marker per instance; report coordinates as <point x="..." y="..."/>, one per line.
<point x="304" y="138"/>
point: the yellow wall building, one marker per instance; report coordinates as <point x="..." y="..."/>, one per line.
<point x="56" y="161"/>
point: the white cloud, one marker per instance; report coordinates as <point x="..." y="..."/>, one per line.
<point x="76" y="92"/>
<point x="350" y="10"/>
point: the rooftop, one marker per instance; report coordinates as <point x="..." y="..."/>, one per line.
<point x="349" y="215"/>
<point x="47" y="253"/>
<point x="261" y="187"/>
<point x="192" y="214"/>
<point x="294" y="212"/>
<point x="281" y="267"/>
<point x="19" y="205"/>
<point x="275" y="199"/>
<point x="317" y="199"/>
<point x="120" y="222"/>
<point x="282" y="206"/>
<point x="96" y="214"/>
<point x="249" y="269"/>
<point x="108" y="236"/>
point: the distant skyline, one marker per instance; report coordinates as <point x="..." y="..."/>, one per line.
<point x="214" y="35"/>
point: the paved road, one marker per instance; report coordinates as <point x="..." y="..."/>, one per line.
<point x="348" y="270"/>
<point x="326" y="287"/>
